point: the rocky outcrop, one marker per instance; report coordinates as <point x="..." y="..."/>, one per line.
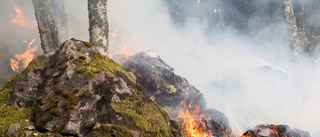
<point x="168" y="90"/>
<point x="275" y="131"/>
<point x="76" y="91"/>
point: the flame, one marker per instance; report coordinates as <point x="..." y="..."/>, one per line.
<point x="124" y="45"/>
<point x="239" y="129"/>
<point x="21" y="20"/>
<point x="113" y="34"/>
<point x="192" y="125"/>
<point x="273" y="131"/>
<point x="25" y="57"/>
<point x="14" y="65"/>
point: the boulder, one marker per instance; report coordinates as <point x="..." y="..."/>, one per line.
<point x="75" y="91"/>
<point x="168" y="90"/>
<point x="275" y="131"/>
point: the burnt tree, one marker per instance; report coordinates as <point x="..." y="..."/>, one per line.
<point x="98" y="25"/>
<point x="298" y="42"/>
<point x="52" y="23"/>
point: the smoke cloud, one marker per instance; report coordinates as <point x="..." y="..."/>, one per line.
<point x="251" y="77"/>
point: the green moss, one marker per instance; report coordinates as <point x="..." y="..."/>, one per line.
<point x="58" y="114"/>
<point x="10" y="115"/>
<point x="165" y="112"/>
<point x="82" y="57"/>
<point x="76" y="90"/>
<point x="87" y="44"/>
<point x="71" y="101"/>
<point x="61" y="92"/>
<point x="87" y="71"/>
<point x="109" y="130"/>
<point x="110" y="67"/>
<point x="5" y="96"/>
<point x="52" y="101"/>
<point x="144" y="115"/>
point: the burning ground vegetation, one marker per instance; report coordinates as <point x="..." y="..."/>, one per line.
<point x="75" y="91"/>
<point x="18" y="58"/>
<point x="186" y="104"/>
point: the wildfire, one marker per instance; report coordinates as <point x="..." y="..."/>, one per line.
<point x="14" y="65"/>
<point x="21" y="20"/>
<point x="124" y="45"/>
<point x="240" y="131"/>
<point x="25" y="57"/>
<point x="193" y="125"/>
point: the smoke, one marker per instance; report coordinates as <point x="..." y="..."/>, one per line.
<point x="11" y="34"/>
<point x="249" y="75"/>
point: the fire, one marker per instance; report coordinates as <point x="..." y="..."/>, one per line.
<point x="124" y="45"/>
<point x="25" y="57"/>
<point x="239" y="129"/>
<point x="193" y="125"/>
<point x="21" y="20"/>
<point x="14" y="65"/>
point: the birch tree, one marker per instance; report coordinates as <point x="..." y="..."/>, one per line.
<point x="298" y="42"/>
<point x="52" y="23"/>
<point x="60" y="19"/>
<point x="98" y="25"/>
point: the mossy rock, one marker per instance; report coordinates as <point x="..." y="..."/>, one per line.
<point x="37" y="64"/>
<point x="110" y="130"/>
<point x="69" y="84"/>
<point x="9" y="114"/>
<point x="144" y="116"/>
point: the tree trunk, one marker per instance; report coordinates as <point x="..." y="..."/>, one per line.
<point x="298" y="42"/>
<point x="47" y="29"/>
<point x="306" y="12"/>
<point x="98" y="25"/>
<point x="60" y="19"/>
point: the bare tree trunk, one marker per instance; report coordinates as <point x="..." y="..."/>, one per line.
<point x="52" y="23"/>
<point x="98" y="25"/>
<point x="47" y="29"/>
<point x="60" y="19"/>
<point x="298" y="42"/>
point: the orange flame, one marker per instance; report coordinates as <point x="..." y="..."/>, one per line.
<point x="21" y="20"/>
<point x="14" y="65"/>
<point x="192" y="125"/>
<point x="26" y="57"/>
<point x="124" y="45"/>
<point x="240" y="131"/>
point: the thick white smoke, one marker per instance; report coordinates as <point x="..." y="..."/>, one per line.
<point x="252" y="79"/>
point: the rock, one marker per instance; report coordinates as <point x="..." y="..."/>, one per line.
<point x="219" y="123"/>
<point x="24" y="92"/>
<point x="275" y="131"/>
<point x="75" y="91"/>
<point x="167" y="89"/>
<point x="158" y="80"/>
<point x="30" y="127"/>
<point x="12" y="129"/>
